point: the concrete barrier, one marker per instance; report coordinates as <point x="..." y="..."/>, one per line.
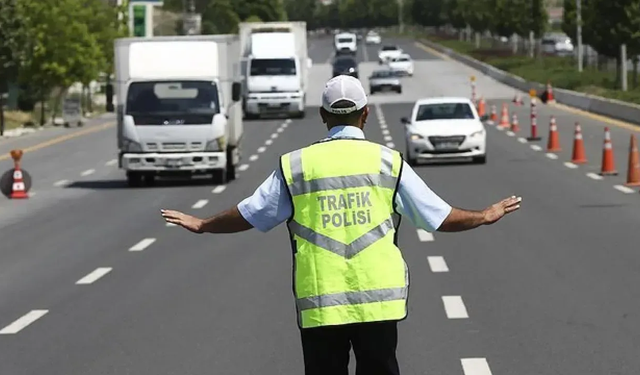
<point x="616" y="109"/>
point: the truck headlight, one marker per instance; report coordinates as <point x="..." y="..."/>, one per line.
<point x="217" y="144"/>
<point x="131" y="146"/>
<point x="477" y="134"/>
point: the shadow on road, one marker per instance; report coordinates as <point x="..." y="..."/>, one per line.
<point x="122" y="184"/>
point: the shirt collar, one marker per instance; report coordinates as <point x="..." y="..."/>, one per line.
<point x="346" y="131"/>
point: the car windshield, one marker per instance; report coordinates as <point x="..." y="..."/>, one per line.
<point x="384" y="74"/>
<point x="345" y="40"/>
<point x="401" y="59"/>
<point x="172" y="97"/>
<point x="273" y="67"/>
<point x="389" y="48"/>
<point x="444" y="111"/>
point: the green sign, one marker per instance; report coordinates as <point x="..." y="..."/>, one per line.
<point x="139" y="20"/>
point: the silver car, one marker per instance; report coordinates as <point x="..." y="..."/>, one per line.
<point x="381" y="80"/>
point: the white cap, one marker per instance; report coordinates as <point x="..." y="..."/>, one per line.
<point x="343" y="88"/>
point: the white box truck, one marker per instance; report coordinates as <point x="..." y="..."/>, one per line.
<point x="276" y="67"/>
<point x="178" y="105"/>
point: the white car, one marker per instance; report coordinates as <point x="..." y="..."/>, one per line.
<point x="346" y="43"/>
<point x="445" y="128"/>
<point x="373" y="38"/>
<point x="387" y="53"/>
<point x="402" y="64"/>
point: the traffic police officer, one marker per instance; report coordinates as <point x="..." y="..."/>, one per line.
<point x="342" y="198"/>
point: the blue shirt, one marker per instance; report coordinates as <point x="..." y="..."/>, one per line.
<point x="270" y="205"/>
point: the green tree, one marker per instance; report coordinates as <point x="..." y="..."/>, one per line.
<point x="454" y="13"/>
<point x="303" y="10"/>
<point x="432" y="13"/>
<point x="508" y="18"/>
<point x="267" y="10"/>
<point x="569" y="24"/>
<point x="478" y="14"/>
<point x="219" y="17"/>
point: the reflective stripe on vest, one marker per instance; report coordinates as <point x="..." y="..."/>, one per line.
<point x="352" y="284"/>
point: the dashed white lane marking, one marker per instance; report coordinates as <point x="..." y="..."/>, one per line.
<point x="624" y="189"/>
<point x="475" y="366"/>
<point x="219" y="189"/>
<point x="199" y="204"/>
<point x="569" y="164"/>
<point x="268" y="142"/>
<point x="522" y="140"/>
<point x="243" y="167"/>
<point x="511" y="134"/>
<point x="383" y="126"/>
<point x="388" y="138"/>
<point x="437" y="264"/>
<point x="171" y="225"/>
<point x="385" y="132"/>
<point x="94" y="276"/>
<point x="454" y="307"/>
<point x="391" y="145"/>
<point x="88" y="172"/>
<point x="551" y="156"/>
<point x="274" y="135"/>
<point x="500" y="128"/>
<point x="61" y="183"/>
<point x="425" y="236"/>
<point x="111" y="162"/>
<point x="536" y="148"/>
<point x="253" y="157"/>
<point x="594" y="176"/>
<point x="280" y="130"/>
<point x="262" y="149"/>
<point x="287" y="121"/>
<point x="142" y="244"/>
<point x="23" y="322"/>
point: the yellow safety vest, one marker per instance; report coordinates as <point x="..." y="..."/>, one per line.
<point x="347" y="267"/>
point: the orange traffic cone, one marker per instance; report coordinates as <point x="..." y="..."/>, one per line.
<point x="515" y="126"/>
<point x="553" y="145"/>
<point x="493" y="118"/>
<point x="18" y="188"/>
<point x="578" y="155"/>
<point x="504" y="118"/>
<point x="482" y="107"/>
<point x="608" y="162"/>
<point x="633" y="172"/>
<point x="517" y="99"/>
<point x="550" y="97"/>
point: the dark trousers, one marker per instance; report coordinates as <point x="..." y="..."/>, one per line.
<point x="326" y="349"/>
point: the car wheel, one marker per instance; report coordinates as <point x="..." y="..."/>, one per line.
<point x="371" y="91"/>
<point x="219" y="176"/>
<point x="480" y="159"/>
<point x="399" y="90"/>
<point x="134" y="179"/>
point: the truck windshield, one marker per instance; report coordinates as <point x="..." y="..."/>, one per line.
<point x="170" y="98"/>
<point x="273" y="67"/>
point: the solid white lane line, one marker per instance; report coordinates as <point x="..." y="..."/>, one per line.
<point x="385" y="132"/>
<point x="218" y="189"/>
<point x="551" y="156"/>
<point x="569" y="164"/>
<point x="243" y="167"/>
<point x="274" y="135"/>
<point x="23" y="322"/>
<point x="94" y="276"/>
<point x="522" y="140"/>
<point x="199" y="204"/>
<point x="253" y="157"/>
<point x="594" y="176"/>
<point x="388" y="138"/>
<point x="511" y="134"/>
<point x="61" y="183"/>
<point x="454" y="307"/>
<point x="425" y="236"/>
<point x="475" y="366"/>
<point x="142" y="244"/>
<point x="437" y="264"/>
<point x="111" y="162"/>
<point x="391" y="145"/>
<point x="536" y="148"/>
<point x="262" y="149"/>
<point x="624" y="189"/>
<point x="88" y="172"/>
<point x="268" y="142"/>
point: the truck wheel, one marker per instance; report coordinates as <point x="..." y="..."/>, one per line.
<point x="231" y="169"/>
<point x="301" y="114"/>
<point x="149" y="179"/>
<point x="134" y="179"/>
<point x="220" y="176"/>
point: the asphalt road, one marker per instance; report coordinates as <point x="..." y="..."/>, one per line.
<point x="551" y="289"/>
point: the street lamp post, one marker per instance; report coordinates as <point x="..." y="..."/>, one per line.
<point x="579" y="32"/>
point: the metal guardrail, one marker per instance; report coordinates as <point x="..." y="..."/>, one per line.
<point x="591" y="103"/>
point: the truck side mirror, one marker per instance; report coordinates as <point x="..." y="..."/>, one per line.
<point x="109" y="96"/>
<point x="404" y="120"/>
<point x="236" y="91"/>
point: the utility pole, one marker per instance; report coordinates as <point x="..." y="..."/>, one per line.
<point x="400" y="16"/>
<point x="579" y="32"/>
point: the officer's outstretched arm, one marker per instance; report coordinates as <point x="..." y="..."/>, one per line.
<point x="460" y="220"/>
<point x="229" y="221"/>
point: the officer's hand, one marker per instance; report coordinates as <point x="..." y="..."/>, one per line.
<point x="189" y="222"/>
<point x="498" y="210"/>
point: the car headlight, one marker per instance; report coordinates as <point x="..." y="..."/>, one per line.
<point x="415" y="137"/>
<point x="476" y="134"/>
<point x="131" y="146"/>
<point x="217" y="144"/>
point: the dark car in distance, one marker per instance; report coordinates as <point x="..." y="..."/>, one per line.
<point x="346" y="65"/>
